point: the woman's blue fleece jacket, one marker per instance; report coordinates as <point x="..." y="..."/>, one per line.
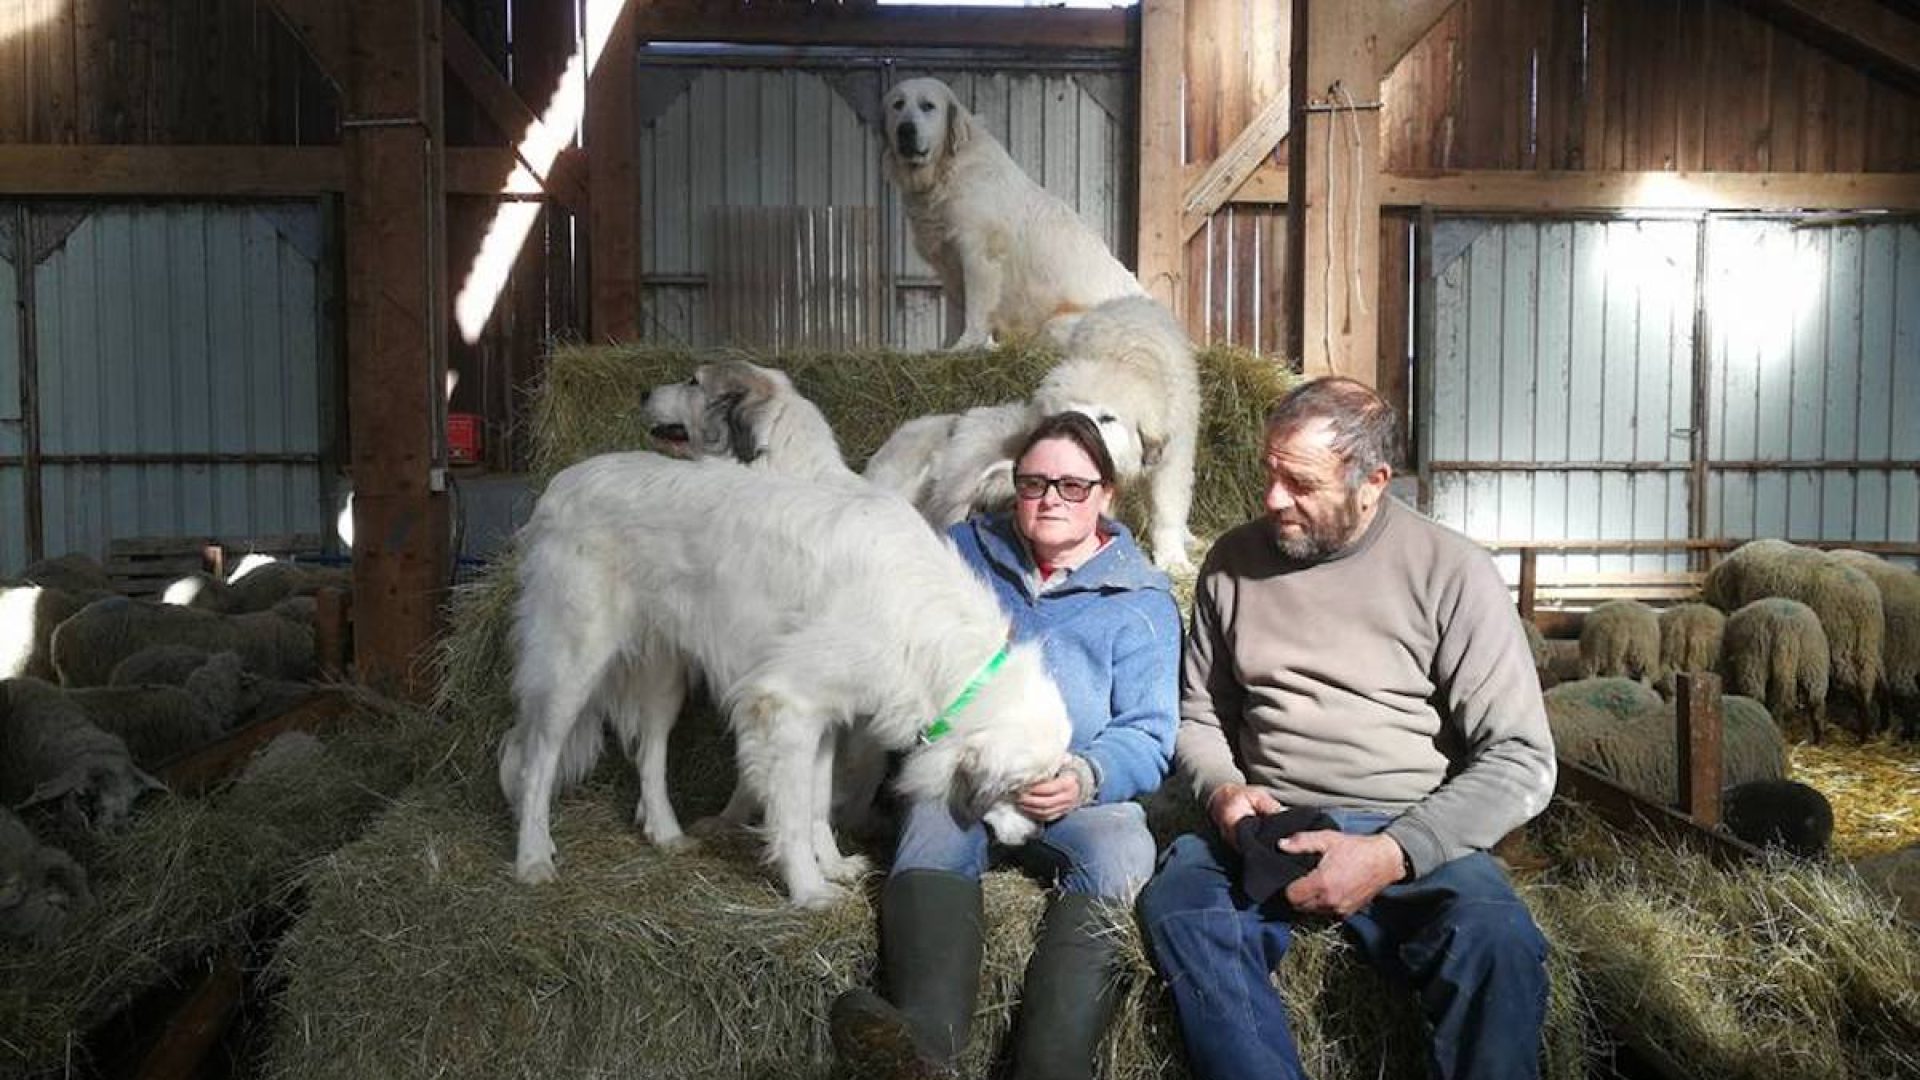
<point x="1110" y="633"/>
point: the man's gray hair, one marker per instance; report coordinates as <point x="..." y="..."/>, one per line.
<point x="1366" y="430"/>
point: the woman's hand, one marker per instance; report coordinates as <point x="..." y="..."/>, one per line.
<point x="1049" y="800"/>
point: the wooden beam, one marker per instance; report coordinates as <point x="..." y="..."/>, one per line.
<point x="205" y="766"/>
<point x="1631" y="811"/>
<point x="397" y="311"/>
<point x="171" y="170"/>
<point x="182" y="1048"/>
<point x="1530" y="192"/>
<point x="495" y="170"/>
<point x="861" y="24"/>
<point x="1400" y="24"/>
<point x="1333" y="224"/>
<point x="1237" y="162"/>
<point x="1696" y="704"/>
<point x="321" y="27"/>
<point x="503" y="105"/>
<point x="1160" y="246"/>
<point x="612" y="137"/>
<point x="1860" y="31"/>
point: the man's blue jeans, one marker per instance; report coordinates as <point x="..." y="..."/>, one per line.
<point x="1459" y="936"/>
<point x="1101" y="850"/>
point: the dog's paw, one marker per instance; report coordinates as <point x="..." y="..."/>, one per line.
<point x="847" y="868"/>
<point x="818" y="898"/>
<point x="1171" y="556"/>
<point x="1010" y="827"/>
<point x="971" y="339"/>
<point x="534" y="871"/>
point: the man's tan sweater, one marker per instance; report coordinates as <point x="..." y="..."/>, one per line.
<point x="1391" y="676"/>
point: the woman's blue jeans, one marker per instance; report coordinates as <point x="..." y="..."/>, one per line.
<point x="1101" y="850"/>
<point x="1459" y="936"/>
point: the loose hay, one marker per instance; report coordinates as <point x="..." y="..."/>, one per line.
<point x="1779" y="969"/>
<point x="1874" y="788"/>
<point x="187" y="875"/>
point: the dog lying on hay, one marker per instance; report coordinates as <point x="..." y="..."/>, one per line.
<point x="807" y="608"/>
<point x="1021" y="260"/>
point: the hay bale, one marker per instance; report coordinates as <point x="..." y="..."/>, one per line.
<point x="1895" y="875"/>
<point x="1775" y="651"/>
<point x="187" y="875"/>
<point x="420" y="955"/>
<point x="1782" y="969"/>
<point x="1621" y="638"/>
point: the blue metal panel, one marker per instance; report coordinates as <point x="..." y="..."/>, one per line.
<point x="181" y="329"/>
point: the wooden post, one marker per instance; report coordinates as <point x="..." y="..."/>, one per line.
<point x="613" y="192"/>
<point x="1529" y="581"/>
<point x="397" y="316"/>
<point x="1696" y="699"/>
<point x="1333" y="197"/>
<point x="1160" y="254"/>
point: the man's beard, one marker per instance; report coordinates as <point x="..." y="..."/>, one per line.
<point x="1323" y="538"/>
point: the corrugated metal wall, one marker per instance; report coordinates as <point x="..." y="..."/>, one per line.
<point x="1574" y="342"/>
<point x="1568" y="342"/>
<point x="1816" y="361"/>
<point x="183" y="380"/>
<point x="716" y="139"/>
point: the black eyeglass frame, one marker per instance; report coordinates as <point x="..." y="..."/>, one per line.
<point x="1023" y="486"/>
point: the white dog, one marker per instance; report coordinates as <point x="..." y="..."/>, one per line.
<point x="1129" y="368"/>
<point x="807" y="607"/>
<point x="1021" y="260"/>
<point x="745" y="412"/>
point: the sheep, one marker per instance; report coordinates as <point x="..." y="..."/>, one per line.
<point x="1784" y="814"/>
<point x="1641" y="752"/>
<point x="158" y="665"/>
<point x="1621" y="637"/>
<point x="1542" y="654"/>
<point x="41" y="887"/>
<point x="1900" y="648"/>
<point x="87" y="646"/>
<point x="1689" y="640"/>
<point x="1582" y="712"/>
<point x="1845" y="600"/>
<point x="257" y="584"/>
<point x="75" y="572"/>
<point x="28" y="616"/>
<point x="1775" y="650"/>
<point x="160" y="722"/>
<point x="51" y="753"/>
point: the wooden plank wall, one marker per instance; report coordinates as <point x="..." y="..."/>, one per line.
<point x="1691" y="85"/>
<point x="147" y="72"/>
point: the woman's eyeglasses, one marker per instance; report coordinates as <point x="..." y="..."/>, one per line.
<point x="1071" y="488"/>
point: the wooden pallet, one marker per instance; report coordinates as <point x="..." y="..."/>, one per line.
<point x="143" y="566"/>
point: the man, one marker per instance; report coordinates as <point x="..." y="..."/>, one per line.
<point x="1351" y="657"/>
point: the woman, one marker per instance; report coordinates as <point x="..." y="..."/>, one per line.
<point x="1074" y="579"/>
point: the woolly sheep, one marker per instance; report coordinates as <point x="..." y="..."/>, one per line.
<point x="1784" y="814"/>
<point x="1621" y="637"/>
<point x="41" y="887"/>
<point x="161" y="722"/>
<point x="28" y="616"/>
<point x="51" y="753"/>
<point x="1900" y="648"/>
<point x="1641" y="752"/>
<point x="1542" y="655"/>
<point x="1582" y="712"/>
<point x="1775" y="650"/>
<point x="256" y="585"/>
<point x="158" y="665"/>
<point x="87" y="646"/>
<point x="1689" y="640"/>
<point x="1845" y="600"/>
<point x="75" y="573"/>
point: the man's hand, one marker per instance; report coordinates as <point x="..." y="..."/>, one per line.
<point x="1231" y="802"/>
<point x="1352" y="871"/>
<point x="1049" y="800"/>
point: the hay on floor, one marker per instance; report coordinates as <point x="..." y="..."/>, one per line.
<point x="188" y="875"/>
<point x="1779" y="969"/>
<point x="1874" y="788"/>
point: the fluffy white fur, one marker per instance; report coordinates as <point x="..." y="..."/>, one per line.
<point x="1130" y="358"/>
<point x="1020" y="259"/>
<point x="1129" y="368"/>
<point x="808" y="607"/>
<point x="747" y="413"/>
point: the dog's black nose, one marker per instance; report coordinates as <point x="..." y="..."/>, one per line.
<point x="904" y="141"/>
